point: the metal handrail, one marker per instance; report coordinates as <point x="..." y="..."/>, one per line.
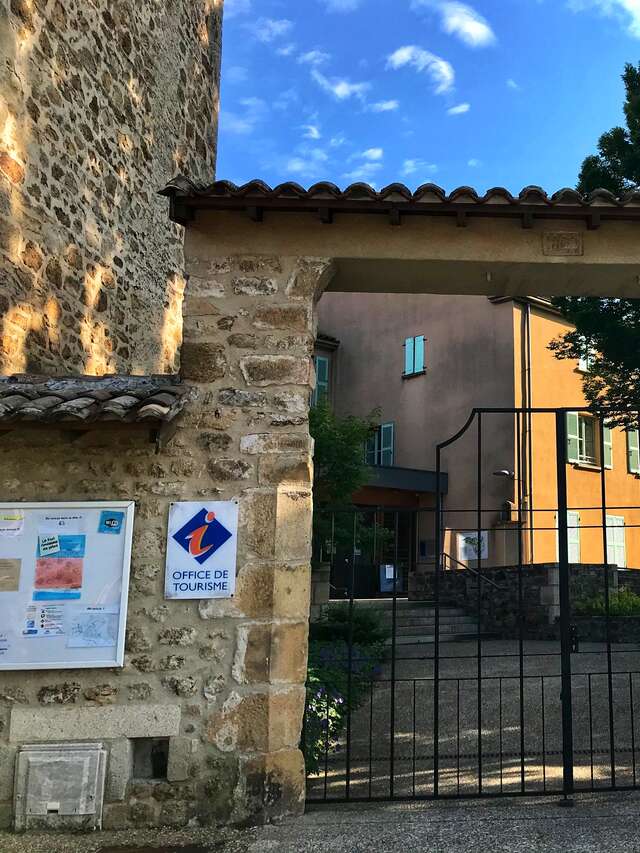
<point x="473" y="571"/>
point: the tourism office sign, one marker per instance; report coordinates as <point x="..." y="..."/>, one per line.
<point x="202" y="547"/>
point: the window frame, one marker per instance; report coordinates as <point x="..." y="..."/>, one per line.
<point x="578" y="441"/>
<point x="633" y="467"/>
<point x="376" y="446"/>
<point x="321" y="383"/>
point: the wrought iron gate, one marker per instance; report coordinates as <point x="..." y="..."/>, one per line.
<point x="492" y="656"/>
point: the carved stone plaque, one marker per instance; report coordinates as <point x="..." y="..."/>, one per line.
<point x="562" y="243"/>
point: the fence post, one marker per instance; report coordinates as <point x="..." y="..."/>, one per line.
<point x="565" y="610"/>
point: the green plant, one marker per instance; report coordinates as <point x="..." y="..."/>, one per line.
<point x="625" y="602"/>
<point x="345" y="655"/>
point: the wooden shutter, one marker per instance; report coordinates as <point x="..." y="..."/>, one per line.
<point x="409" y="356"/>
<point x="607" y="450"/>
<point x="573" y="437"/>
<point x="418" y="361"/>
<point x="633" y="451"/>
<point x="573" y="535"/>
<point x="616" y="545"/>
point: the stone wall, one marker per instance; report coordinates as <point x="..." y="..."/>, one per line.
<point x="506" y="588"/>
<point x="100" y="104"/>
<point x="224" y="680"/>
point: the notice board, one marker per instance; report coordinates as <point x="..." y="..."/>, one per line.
<point x="64" y="582"/>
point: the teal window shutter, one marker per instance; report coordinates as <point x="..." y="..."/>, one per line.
<point x="608" y="446"/>
<point x="418" y="362"/>
<point x="573" y="437"/>
<point x="409" y="351"/>
<point x="633" y="451"/>
<point x="322" y="379"/>
<point x="573" y="535"/>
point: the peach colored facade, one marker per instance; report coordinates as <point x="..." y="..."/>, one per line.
<point x="478" y="354"/>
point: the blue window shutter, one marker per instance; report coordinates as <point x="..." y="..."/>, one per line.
<point x="387" y="444"/>
<point x="418" y="361"/>
<point x="408" y="356"/>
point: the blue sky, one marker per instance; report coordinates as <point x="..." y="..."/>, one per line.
<point x="494" y="93"/>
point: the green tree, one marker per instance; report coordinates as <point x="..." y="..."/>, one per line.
<point x="339" y="471"/>
<point x="607" y="330"/>
<point x="616" y="166"/>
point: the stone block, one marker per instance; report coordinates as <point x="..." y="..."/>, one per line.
<point x="274" y="785"/>
<point x="6" y="816"/>
<point x="264" y="370"/>
<point x="119" y="769"/>
<point x="199" y="306"/>
<point x="293" y="524"/>
<point x="7" y="766"/>
<point x="279" y="592"/>
<point x="229" y="470"/>
<point x="86" y="723"/>
<point x="115" y="816"/>
<point x="272" y="654"/>
<point x="285" y="468"/>
<point x="202" y="361"/>
<point x="254" y="286"/>
<point x="238" y="397"/>
<point x="289" y="317"/>
<point x="276" y="442"/>
<point x="180" y="756"/>
<point x="310" y="278"/>
<point x="258" y="722"/>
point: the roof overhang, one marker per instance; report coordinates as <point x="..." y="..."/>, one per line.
<point x="407" y="479"/>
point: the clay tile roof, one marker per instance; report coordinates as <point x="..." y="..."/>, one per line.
<point x="396" y="199"/>
<point x="87" y="399"/>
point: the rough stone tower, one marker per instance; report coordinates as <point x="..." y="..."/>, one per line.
<point x="100" y="103"/>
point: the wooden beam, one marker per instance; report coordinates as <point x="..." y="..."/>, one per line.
<point x="256" y="214"/>
<point x="527" y="219"/>
<point x="394" y="216"/>
<point x="461" y="218"/>
<point x="326" y="215"/>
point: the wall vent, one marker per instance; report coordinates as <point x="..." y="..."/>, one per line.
<point x="60" y="786"/>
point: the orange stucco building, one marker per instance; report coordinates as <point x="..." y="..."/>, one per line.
<point x="484" y="352"/>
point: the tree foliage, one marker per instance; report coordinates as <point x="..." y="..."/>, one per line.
<point x="339" y="463"/>
<point x="616" y="166"/>
<point x="608" y="331"/>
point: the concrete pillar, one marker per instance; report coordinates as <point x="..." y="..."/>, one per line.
<point x="248" y="344"/>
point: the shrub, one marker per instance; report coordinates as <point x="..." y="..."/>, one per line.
<point x="340" y="675"/>
<point x="621" y="603"/>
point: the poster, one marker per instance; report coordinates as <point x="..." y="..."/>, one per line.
<point x="469" y="545"/>
<point x="64" y="580"/>
<point x="202" y="546"/>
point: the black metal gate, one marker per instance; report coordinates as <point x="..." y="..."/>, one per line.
<point x="498" y="654"/>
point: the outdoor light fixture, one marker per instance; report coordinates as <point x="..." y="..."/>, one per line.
<point x="504" y="473"/>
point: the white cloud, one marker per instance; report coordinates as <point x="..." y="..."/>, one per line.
<point x="627" y="10"/>
<point x="459" y="110"/>
<point x="311" y="131"/>
<point x="340" y="88"/>
<point x="363" y="172"/>
<point x="286" y="50"/>
<point x="244" y="122"/>
<point x="342" y="5"/>
<point x="373" y="154"/>
<point x="286" y="99"/>
<point x="439" y="70"/>
<point x="232" y="8"/>
<point x="384" y="106"/>
<point x="307" y="162"/>
<point x="511" y="84"/>
<point x="474" y="163"/>
<point x="267" y="30"/>
<point x="337" y="141"/>
<point x="411" y="167"/>
<point x="314" y="57"/>
<point x="461" y="20"/>
<point x="236" y="74"/>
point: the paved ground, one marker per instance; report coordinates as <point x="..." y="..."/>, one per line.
<point x="533" y="825"/>
<point x="496" y="755"/>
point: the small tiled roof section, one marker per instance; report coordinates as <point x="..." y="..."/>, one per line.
<point x="85" y="399"/>
<point x="256" y="195"/>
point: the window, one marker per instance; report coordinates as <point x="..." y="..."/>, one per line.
<point x="616" y="547"/>
<point x="414" y="356"/>
<point x="585" y="363"/>
<point x="380" y="447"/>
<point x="583" y="441"/>
<point x="633" y="451"/>
<point x="321" y="392"/>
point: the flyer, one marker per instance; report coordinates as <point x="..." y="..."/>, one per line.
<point x="45" y="620"/>
<point x="11" y="522"/>
<point x="10" y="574"/>
<point x="59" y="567"/>
<point x="94" y="627"/>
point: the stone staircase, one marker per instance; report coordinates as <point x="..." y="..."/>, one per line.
<point x="416" y="620"/>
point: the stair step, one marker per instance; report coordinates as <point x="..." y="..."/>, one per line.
<point x="430" y="638"/>
<point x="406" y="622"/>
<point x="411" y="613"/>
